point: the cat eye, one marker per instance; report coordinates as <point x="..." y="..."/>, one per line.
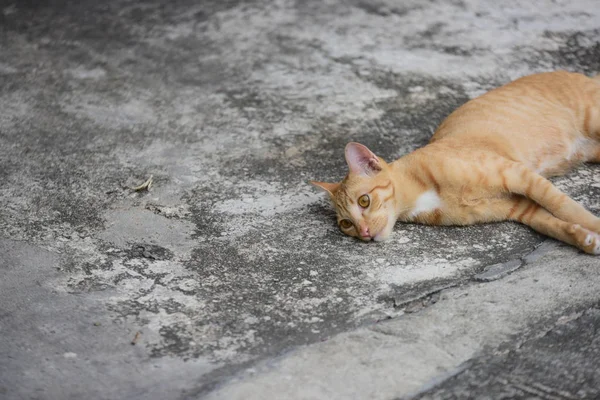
<point x="364" y="201"/>
<point x="345" y="223"/>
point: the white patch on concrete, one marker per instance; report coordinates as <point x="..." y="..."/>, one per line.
<point x="15" y="110"/>
<point x="265" y="199"/>
<point x="426" y="202"/>
<point x="335" y="91"/>
<point x="132" y="112"/>
<point x="134" y="280"/>
<point x="350" y="36"/>
<point x="143" y="226"/>
<point x="178" y="31"/>
<point x="229" y="347"/>
<point x="424" y="269"/>
<point x="341" y="93"/>
<point x="6" y="69"/>
<point x="84" y="73"/>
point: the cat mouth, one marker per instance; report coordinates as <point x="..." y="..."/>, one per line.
<point x="369" y="237"/>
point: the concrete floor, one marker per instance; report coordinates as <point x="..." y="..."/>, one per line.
<point x="229" y="274"/>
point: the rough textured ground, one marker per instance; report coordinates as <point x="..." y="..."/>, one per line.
<point x="230" y="272"/>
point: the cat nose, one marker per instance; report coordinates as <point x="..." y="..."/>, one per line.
<point x="364" y="231"/>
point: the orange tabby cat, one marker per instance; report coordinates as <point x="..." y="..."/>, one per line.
<point x="488" y="161"/>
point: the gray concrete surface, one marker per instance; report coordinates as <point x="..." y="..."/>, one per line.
<point x="229" y="272"/>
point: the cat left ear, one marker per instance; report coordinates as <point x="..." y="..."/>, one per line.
<point x="361" y="160"/>
<point x="330" y="188"/>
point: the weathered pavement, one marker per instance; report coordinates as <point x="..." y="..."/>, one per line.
<point x="230" y="273"/>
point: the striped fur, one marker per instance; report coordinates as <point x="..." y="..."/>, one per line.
<point x="488" y="161"/>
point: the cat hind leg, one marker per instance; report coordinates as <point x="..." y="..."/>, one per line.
<point x="517" y="178"/>
<point x="528" y="212"/>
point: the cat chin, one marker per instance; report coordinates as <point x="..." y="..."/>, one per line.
<point x="386" y="232"/>
<point x="381" y="237"/>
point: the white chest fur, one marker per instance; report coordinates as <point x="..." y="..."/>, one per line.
<point x="428" y="201"/>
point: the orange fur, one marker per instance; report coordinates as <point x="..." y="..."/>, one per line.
<point x="488" y="161"/>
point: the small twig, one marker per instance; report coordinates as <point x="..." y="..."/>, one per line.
<point x="144" y="186"/>
<point x="136" y="337"/>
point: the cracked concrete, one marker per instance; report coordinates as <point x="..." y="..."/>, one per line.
<point x="231" y="268"/>
<point x="567" y="353"/>
<point x="406" y="356"/>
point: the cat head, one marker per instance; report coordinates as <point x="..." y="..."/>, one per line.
<point x="365" y="199"/>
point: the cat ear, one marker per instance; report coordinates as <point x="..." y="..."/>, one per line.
<point x="330" y="188"/>
<point x="361" y="160"/>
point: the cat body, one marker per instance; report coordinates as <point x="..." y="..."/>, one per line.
<point x="488" y="161"/>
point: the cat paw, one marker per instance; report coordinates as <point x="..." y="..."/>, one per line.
<point x="592" y="243"/>
<point x="586" y="239"/>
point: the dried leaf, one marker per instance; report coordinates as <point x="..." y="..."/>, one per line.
<point x="144" y="186"/>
